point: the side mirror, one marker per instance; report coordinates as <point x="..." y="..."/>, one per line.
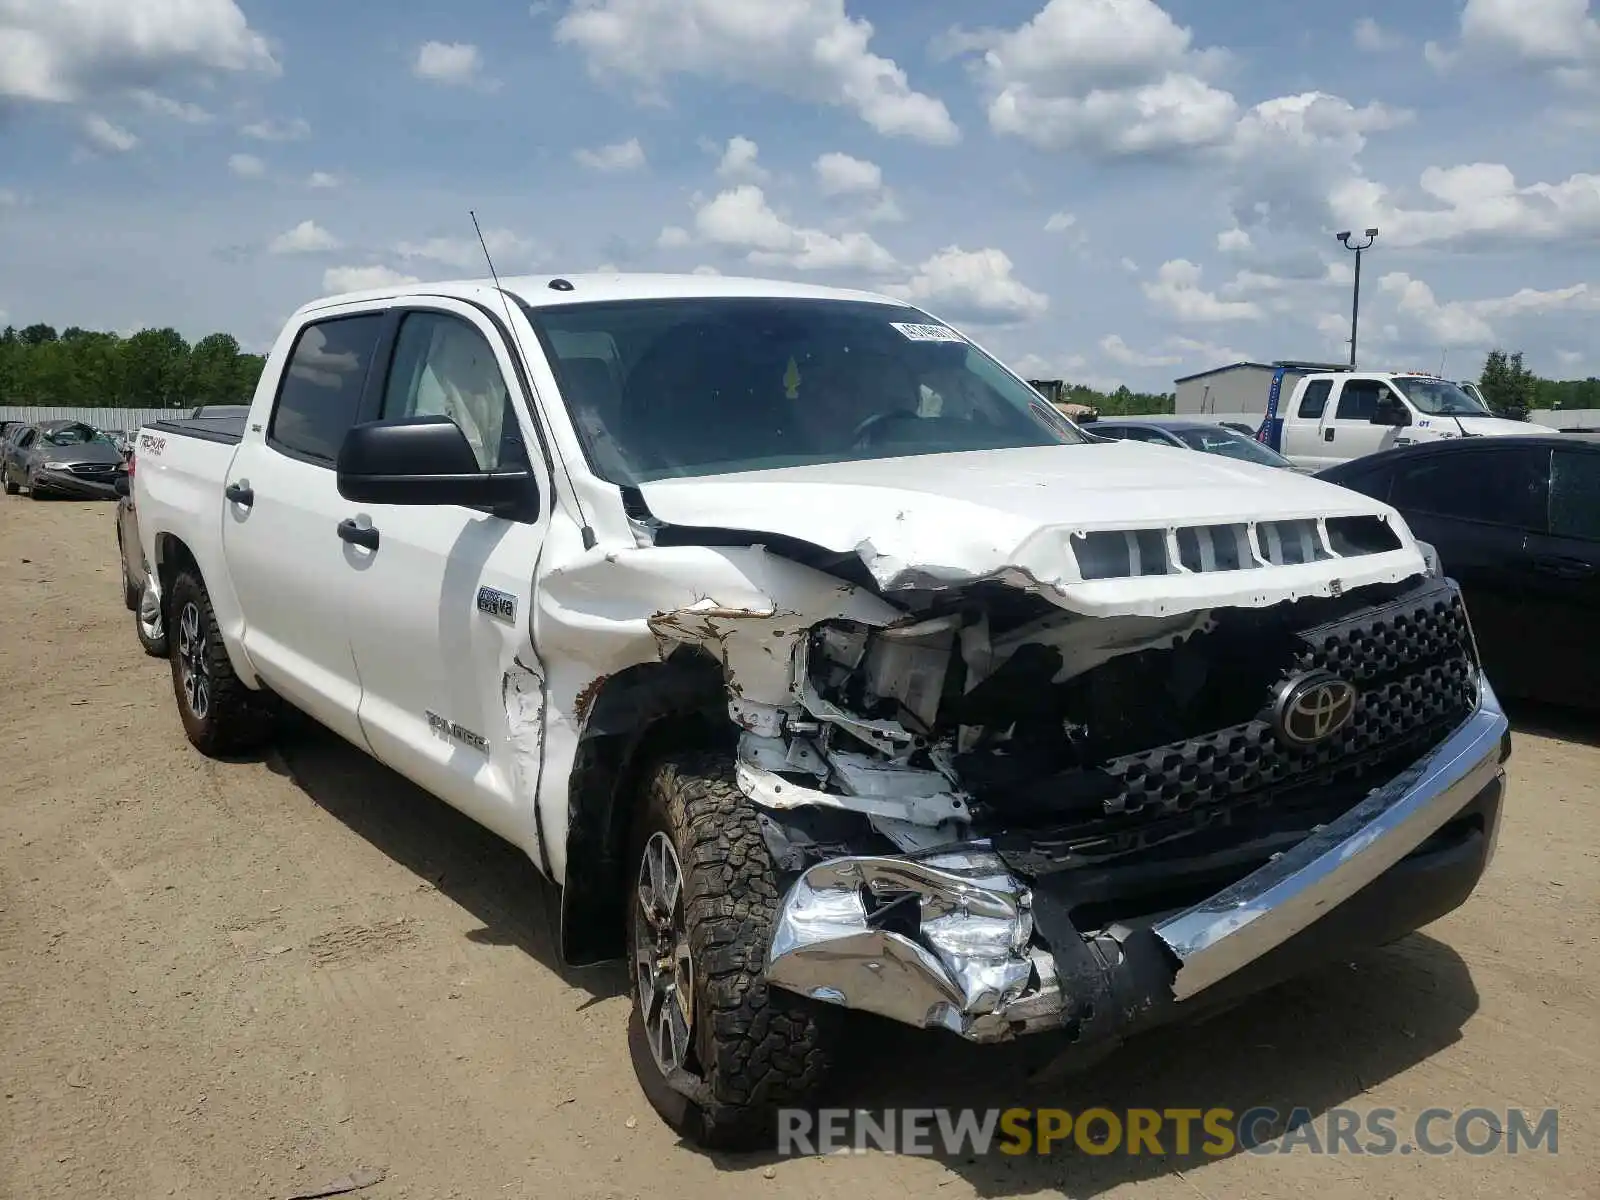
<point x="120" y="485"/>
<point x="1391" y="412"/>
<point x="427" y="460"/>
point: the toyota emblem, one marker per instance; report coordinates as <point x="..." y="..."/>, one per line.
<point x="1311" y="708"/>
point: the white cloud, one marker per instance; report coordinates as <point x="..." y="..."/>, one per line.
<point x="619" y="156"/>
<point x="63" y="51"/>
<point x="1471" y="202"/>
<point x="1130" y="266"/>
<point x="278" y="131"/>
<point x="1115" y="77"/>
<point x="673" y="237"/>
<point x="464" y="253"/>
<point x="741" y="219"/>
<point x="842" y="175"/>
<point x="1374" y="38"/>
<point x="739" y="161"/>
<point x="305" y="238"/>
<point x="1558" y="35"/>
<point x="809" y="49"/>
<point x="972" y="285"/>
<point x="1447" y="324"/>
<point x="456" y="64"/>
<point x="1114" y="348"/>
<point x="1176" y="291"/>
<point x="246" y="166"/>
<point x="165" y="106"/>
<point x="1060" y="222"/>
<point x="1233" y="241"/>
<point x="107" y="136"/>
<point x="322" y="179"/>
<point x="705" y="269"/>
<point x="1468" y="322"/>
<point x="361" y="279"/>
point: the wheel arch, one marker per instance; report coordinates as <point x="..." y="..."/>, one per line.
<point x="634" y="716"/>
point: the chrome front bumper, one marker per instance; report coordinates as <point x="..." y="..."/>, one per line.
<point x="950" y="941"/>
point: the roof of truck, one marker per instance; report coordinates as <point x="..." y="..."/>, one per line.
<point x="541" y="290"/>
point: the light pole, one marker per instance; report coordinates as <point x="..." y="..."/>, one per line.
<point x="1355" y="300"/>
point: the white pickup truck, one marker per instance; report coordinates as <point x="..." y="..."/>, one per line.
<point x="825" y="667"/>
<point x="1334" y="417"/>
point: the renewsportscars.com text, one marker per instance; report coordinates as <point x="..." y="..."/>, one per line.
<point x="1215" y="1132"/>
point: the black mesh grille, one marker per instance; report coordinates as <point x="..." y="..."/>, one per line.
<point x="1412" y="663"/>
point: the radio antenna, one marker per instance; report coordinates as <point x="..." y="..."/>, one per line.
<point x="589" y="538"/>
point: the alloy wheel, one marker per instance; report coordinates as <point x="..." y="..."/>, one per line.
<point x="194" y="667"/>
<point x="662" y="961"/>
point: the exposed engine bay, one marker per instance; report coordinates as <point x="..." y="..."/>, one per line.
<point x="1072" y="740"/>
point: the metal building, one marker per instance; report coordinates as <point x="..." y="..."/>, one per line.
<point x="1240" y="387"/>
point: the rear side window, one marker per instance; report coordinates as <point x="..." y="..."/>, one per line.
<point x="1315" y="398"/>
<point x="321" y="389"/>
<point x="1575" y="495"/>
<point x="1489" y="486"/>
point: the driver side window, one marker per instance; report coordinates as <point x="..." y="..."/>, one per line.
<point x="443" y="366"/>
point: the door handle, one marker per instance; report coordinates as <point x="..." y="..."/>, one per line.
<point x="1327" y="434"/>
<point x="358" y="535"/>
<point x="1564" y="568"/>
<point x="240" y="493"/>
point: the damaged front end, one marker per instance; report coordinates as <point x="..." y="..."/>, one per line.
<point x="998" y="815"/>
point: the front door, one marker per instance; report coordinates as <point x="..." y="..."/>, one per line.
<point x="280" y="524"/>
<point x="1347" y="428"/>
<point x="451" y="689"/>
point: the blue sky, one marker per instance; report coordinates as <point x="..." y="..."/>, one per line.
<point x="1103" y="190"/>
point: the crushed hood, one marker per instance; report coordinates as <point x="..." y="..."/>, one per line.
<point x="1022" y="515"/>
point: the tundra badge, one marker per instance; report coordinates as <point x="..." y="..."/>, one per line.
<point x="500" y="605"/>
<point x="460" y="733"/>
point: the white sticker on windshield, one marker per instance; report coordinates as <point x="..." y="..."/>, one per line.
<point x="927" y="333"/>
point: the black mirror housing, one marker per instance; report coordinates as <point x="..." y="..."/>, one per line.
<point x="120" y="485"/>
<point x="427" y="460"/>
<point x="1391" y="412"/>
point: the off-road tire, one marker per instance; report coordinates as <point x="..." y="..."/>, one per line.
<point x="11" y="485"/>
<point x="236" y="719"/>
<point x="755" y="1049"/>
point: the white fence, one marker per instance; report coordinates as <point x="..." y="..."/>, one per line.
<point x="100" y="418"/>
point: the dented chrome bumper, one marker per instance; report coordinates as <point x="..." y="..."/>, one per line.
<point x="949" y="939"/>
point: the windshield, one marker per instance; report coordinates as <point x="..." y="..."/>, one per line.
<point x="686" y="387"/>
<point x="1232" y="445"/>
<point x="1440" y="398"/>
<point x="77" y="435"/>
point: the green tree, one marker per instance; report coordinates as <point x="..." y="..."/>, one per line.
<point x="214" y="369"/>
<point x="155" y="364"/>
<point x="1508" y="386"/>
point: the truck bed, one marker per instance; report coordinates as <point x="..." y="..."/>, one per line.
<point x="228" y="430"/>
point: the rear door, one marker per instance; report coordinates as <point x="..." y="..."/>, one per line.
<point x="281" y="511"/>
<point x="1347" y="429"/>
<point x="1479" y="505"/>
<point x="451" y="690"/>
<point x="1563" y="584"/>
<point x="1302" y="432"/>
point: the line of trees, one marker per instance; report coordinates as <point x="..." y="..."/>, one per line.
<point x="154" y="368"/>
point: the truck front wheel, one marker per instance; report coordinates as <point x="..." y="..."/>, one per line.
<point x="717" y="1051"/>
<point x="220" y="715"/>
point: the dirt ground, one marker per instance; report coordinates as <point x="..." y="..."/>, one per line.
<point x="248" y="979"/>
